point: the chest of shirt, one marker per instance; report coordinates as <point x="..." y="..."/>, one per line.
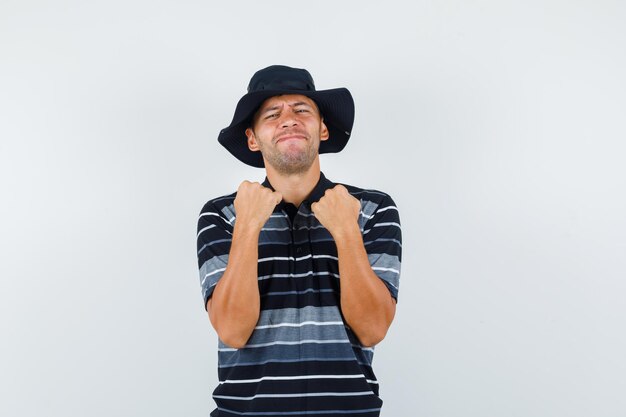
<point x="298" y="264"/>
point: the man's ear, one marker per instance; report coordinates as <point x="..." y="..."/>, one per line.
<point x="324" y="134"/>
<point x="252" y="143"/>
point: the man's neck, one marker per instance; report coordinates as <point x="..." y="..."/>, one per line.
<point x="296" y="187"/>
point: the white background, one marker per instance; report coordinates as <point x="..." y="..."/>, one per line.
<point x="497" y="126"/>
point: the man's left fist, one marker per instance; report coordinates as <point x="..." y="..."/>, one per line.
<point x="337" y="210"/>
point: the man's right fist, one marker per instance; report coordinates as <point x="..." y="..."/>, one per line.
<point x="255" y="203"/>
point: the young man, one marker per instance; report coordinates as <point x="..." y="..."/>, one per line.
<point x="299" y="274"/>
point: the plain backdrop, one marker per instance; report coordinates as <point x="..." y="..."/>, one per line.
<point x="498" y="128"/>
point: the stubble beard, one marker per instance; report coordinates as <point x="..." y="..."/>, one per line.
<point x="290" y="162"/>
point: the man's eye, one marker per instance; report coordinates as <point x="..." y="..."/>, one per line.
<point x="271" y="116"/>
<point x="301" y="110"/>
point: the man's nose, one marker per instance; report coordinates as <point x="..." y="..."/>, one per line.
<point x="288" y="120"/>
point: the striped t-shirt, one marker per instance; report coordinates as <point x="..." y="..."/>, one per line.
<point x="302" y="358"/>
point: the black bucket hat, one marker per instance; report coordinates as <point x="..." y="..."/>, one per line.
<point x="336" y="106"/>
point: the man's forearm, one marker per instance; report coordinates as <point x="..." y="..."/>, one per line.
<point x="365" y="300"/>
<point x="235" y="304"/>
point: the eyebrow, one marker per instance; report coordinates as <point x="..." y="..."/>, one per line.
<point x="301" y="103"/>
<point x="296" y="104"/>
<point x="269" y="109"/>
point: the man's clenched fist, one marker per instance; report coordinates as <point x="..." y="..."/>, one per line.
<point x="337" y="210"/>
<point x="254" y="204"/>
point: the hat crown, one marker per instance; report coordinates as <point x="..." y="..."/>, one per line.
<point x="281" y="77"/>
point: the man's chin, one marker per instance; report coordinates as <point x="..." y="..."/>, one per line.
<point x="291" y="166"/>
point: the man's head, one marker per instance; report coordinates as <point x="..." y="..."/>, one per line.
<point x="253" y="135"/>
<point x="287" y="130"/>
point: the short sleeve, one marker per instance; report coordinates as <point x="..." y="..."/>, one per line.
<point x="214" y="237"/>
<point x="382" y="237"/>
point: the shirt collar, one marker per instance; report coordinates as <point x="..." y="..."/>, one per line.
<point x="318" y="191"/>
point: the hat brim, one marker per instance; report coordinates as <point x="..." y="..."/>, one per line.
<point x="335" y="105"/>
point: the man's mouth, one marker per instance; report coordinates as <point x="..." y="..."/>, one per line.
<point x="291" y="137"/>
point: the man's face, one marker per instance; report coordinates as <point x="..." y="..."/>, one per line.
<point x="287" y="130"/>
